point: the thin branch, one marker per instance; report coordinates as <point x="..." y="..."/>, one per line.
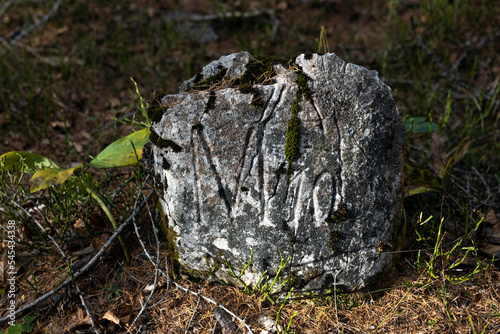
<point x="194" y="312"/>
<point x="5" y="6"/>
<point x="31" y="27"/>
<point x="63" y="255"/>
<point x="89" y="265"/>
<point x="156" y="264"/>
<point x="44" y="233"/>
<point x="92" y="321"/>
<point x="165" y="274"/>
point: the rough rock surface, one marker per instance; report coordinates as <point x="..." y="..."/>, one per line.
<point x="302" y="160"/>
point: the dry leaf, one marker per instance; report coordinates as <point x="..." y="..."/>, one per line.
<point x="111" y="317"/>
<point x="77" y="319"/>
<point x="126" y="314"/>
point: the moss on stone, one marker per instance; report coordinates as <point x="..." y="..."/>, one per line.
<point x="155" y="111"/>
<point x="249" y="88"/>
<point x="292" y="139"/>
<point x="210" y="103"/>
<point x="163" y="143"/>
<point x="292" y="143"/>
<point x="338" y="215"/>
<point x="334" y="237"/>
<point x="170" y="237"/>
<point x="208" y="82"/>
<point x="304" y="89"/>
<point x="296" y="107"/>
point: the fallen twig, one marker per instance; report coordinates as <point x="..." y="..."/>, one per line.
<point x="166" y="275"/>
<point x="194" y="312"/>
<point x="24" y="32"/>
<point x="64" y="256"/>
<point x="82" y="271"/>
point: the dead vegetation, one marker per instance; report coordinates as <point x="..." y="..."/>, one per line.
<point x="63" y="82"/>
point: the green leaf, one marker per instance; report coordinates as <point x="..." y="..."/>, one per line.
<point x="415" y="190"/>
<point x="123" y="151"/>
<point x="33" y="162"/>
<point x="28" y="320"/>
<point x="419" y="125"/>
<point x="47" y="177"/>
<point x="16" y="329"/>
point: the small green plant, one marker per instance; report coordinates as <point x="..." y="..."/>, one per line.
<point x="496" y="310"/>
<point x="263" y="285"/>
<point x="46" y="174"/>
<point x="113" y="291"/>
<point x="143" y="106"/>
<point x="77" y="184"/>
<point x="266" y="288"/>
<point x="287" y="329"/>
<point x="322" y="41"/>
<point x="445" y="261"/>
<point x="33" y="285"/>
<point x="19" y="329"/>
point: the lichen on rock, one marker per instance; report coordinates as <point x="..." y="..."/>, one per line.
<point x="298" y="158"/>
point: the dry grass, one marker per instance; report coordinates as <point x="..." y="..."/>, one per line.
<point x="63" y="83"/>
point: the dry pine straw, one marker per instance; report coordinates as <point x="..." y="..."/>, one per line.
<point x="411" y="307"/>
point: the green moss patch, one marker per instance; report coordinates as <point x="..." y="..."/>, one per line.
<point x="155" y="111"/>
<point x="292" y="143"/>
<point x="170" y="235"/>
<point x="163" y="143"/>
<point x="210" y="81"/>
<point x="292" y="139"/>
<point x="211" y="102"/>
<point x="338" y="215"/>
<point x="304" y="89"/>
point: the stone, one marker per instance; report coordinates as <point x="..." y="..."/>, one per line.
<point x="261" y="159"/>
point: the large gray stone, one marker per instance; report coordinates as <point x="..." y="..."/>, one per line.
<point x="333" y="204"/>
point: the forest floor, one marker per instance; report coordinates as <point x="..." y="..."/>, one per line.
<point x="66" y="93"/>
